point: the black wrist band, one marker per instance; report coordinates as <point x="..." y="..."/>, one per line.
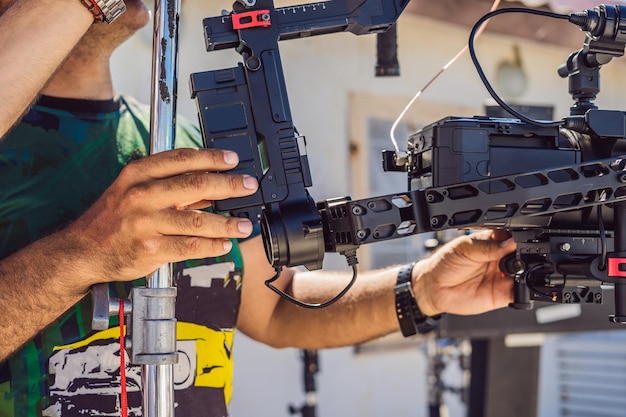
<point x="410" y="317"/>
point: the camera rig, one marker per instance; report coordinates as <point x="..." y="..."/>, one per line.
<point x="246" y="109"/>
<point x="558" y="187"/>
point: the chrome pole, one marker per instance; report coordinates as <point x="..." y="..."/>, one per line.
<point x="158" y="379"/>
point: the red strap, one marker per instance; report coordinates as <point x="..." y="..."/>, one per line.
<point x="95" y="4"/>
<point x="124" y="398"/>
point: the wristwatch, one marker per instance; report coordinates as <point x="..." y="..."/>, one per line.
<point x="105" y="10"/>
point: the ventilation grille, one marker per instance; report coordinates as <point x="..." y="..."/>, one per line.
<point x="584" y="375"/>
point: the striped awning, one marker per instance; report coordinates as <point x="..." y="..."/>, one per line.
<point x="565" y="6"/>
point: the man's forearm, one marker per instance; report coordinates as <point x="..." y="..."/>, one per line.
<point x="365" y="312"/>
<point x="461" y="277"/>
<point x="35" y="289"/>
<point x="35" y="38"/>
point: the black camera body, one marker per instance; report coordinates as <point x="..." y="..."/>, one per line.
<point x="456" y="150"/>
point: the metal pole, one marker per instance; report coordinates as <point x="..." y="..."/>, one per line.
<point x="157" y="380"/>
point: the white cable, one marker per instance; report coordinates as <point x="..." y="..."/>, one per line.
<point x="392" y="132"/>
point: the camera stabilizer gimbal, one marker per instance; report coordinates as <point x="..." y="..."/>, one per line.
<point x="558" y="187"/>
<point x="246" y="109"/>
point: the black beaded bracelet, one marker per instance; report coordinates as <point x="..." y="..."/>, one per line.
<point x="410" y="317"/>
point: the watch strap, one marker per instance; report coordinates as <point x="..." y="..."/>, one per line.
<point x="410" y="317"/>
<point x="405" y="300"/>
<point x="105" y="10"/>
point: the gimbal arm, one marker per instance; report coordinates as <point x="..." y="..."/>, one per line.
<point x="246" y="109"/>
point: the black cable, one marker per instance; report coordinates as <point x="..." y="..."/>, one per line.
<point x="283" y="294"/>
<point x="481" y="74"/>
<point x="531" y="286"/>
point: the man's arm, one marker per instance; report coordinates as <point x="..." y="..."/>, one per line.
<point x="145" y="219"/>
<point x="35" y="37"/>
<point x="462" y="278"/>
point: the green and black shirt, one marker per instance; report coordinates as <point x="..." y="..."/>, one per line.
<point x="53" y="166"/>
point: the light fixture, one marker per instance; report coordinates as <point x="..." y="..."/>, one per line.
<point x="510" y="76"/>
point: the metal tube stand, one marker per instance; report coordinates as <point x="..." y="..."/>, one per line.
<point x="160" y="325"/>
<point x="152" y="326"/>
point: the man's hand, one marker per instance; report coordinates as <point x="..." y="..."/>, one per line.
<point x="150" y="216"/>
<point x="463" y="276"/>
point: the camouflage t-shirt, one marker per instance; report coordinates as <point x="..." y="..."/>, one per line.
<point x="53" y="166"/>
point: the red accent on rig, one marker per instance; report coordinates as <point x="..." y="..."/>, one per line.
<point x="255" y="18"/>
<point x="614" y="267"/>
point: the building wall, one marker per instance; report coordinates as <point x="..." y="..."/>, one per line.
<point x="321" y="73"/>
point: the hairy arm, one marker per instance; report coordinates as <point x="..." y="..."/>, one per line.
<point x="365" y="312"/>
<point x="35" y="38"/>
<point x="34" y="288"/>
<point x="462" y="278"/>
